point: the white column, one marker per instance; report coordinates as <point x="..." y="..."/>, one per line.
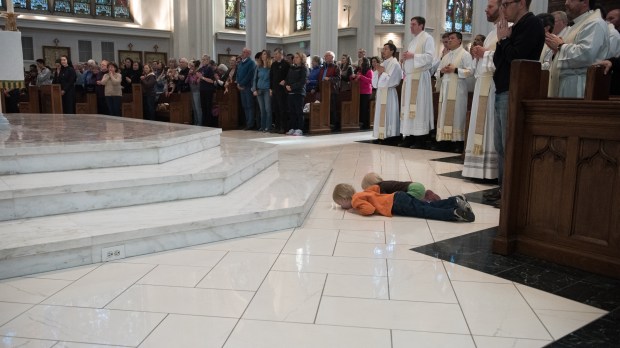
<point x="413" y="8"/>
<point x="324" y="33"/>
<point x="479" y="23"/>
<point x="541" y="6"/>
<point x="366" y="26"/>
<point x="180" y="29"/>
<point x="205" y="31"/>
<point x="256" y="25"/>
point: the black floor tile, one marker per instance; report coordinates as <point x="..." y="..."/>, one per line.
<point x="474" y="251"/>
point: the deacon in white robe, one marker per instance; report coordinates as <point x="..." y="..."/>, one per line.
<point x="455" y="68"/>
<point x="480" y="155"/>
<point x="585" y="43"/>
<point x="387" y="117"/>
<point x="417" y="95"/>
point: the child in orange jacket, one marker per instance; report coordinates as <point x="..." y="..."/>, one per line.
<point x="371" y="201"/>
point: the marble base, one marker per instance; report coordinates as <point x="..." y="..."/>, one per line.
<point x="36" y="143"/>
<point x="263" y="203"/>
<point x="208" y="173"/>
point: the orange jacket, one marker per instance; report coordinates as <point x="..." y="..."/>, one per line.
<point x="371" y="200"/>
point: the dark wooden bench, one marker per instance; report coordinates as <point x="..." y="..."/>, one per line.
<point x="561" y="189"/>
<point x="350" y="108"/>
<point x="86" y="103"/>
<point x="318" y="118"/>
<point x="131" y="106"/>
<point x="51" y="99"/>
<point x="228" y="107"/>
<point x="175" y="108"/>
<point x="33" y="103"/>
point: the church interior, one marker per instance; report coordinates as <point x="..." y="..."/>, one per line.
<point x="124" y="232"/>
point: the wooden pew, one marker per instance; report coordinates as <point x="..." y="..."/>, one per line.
<point x="33" y="104"/>
<point x="51" y="99"/>
<point x="132" y="102"/>
<point x="228" y="107"/>
<point x="562" y="175"/>
<point x="319" y="112"/>
<point x="350" y="108"/>
<point x="177" y="108"/>
<point x="86" y="104"/>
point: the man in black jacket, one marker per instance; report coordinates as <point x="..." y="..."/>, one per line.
<point x="524" y="40"/>
<point x="277" y="75"/>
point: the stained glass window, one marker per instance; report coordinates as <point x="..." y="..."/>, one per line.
<point x="62" y="6"/>
<point x="235" y="14"/>
<point x="81" y="7"/>
<point x="393" y="12"/>
<point x="103" y="9"/>
<point x="303" y="15"/>
<point x="458" y="15"/>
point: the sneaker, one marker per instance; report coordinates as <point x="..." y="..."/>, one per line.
<point x="464" y="215"/>
<point x="462" y="202"/>
<point x="298" y="132"/>
<point x="493" y="195"/>
<point x="290" y="132"/>
<point x="260" y="129"/>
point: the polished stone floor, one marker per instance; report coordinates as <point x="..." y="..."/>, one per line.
<point x="339" y="280"/>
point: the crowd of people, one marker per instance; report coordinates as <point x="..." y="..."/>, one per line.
<point x="274" y="88"/>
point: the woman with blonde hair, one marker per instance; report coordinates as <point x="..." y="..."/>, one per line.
<point x="260" y="90"/>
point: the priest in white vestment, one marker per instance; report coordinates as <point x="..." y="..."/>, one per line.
<point x="387" y="117"/>
<point x="416" y="108"/>
<point x="454" y="68"/>
<point x="586" y="42"/>
<point x="480" y="155"/>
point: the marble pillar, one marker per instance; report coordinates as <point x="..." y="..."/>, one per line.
<point x="479" y="23"/>
<point x="541" y="6"/>
<point x="180" y="29"/>
<point x="256" y="25"/>
<point x="413" y="8"/>
<point x="324" y="33"/>
<point x="366" y="27"/>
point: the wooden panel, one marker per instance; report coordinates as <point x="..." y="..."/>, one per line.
<point x="319" y="112"/>
<point x="132" y="102"/>
<point x="33" y="104"/>
<point x="88" y="105"/>
<point x="561" y="194"/>
<point x="228" y="104"/>
<point x="350" y="108"/>
<point x="51" y="99"/>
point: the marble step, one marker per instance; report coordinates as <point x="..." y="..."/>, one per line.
<point x="46" y="143"/>
<point x="277" y="198"/>
<point x="210" y="172"/>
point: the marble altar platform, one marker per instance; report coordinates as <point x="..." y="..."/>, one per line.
<point x="88" y="182"/>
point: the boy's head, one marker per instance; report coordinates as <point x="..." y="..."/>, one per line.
<point x="370" y="179"/>
<point x="343" y="194"/>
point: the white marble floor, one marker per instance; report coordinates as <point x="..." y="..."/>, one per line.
<point x="339" y="280"/>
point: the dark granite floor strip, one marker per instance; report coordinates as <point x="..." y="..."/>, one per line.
<point x="474" y="251"/>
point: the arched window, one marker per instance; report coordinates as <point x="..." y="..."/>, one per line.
<point x="458" y="15"/>
<point x="100" y="9"/>
<point x="393" y="12"/>
<point x="235" y="14"/>
<point x="303" y="14"/>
